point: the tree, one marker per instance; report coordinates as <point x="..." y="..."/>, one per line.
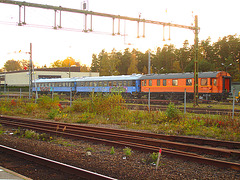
<point x="183" y="56"/>
<point x="125" y="62"/>
<point x="12" y="65"/>
<point x="69" y="61"/>
<point x="84" y="68"/>
<point x="95" y="66"/>
<point x="133" y="65"/>
<point x="56" y="64"/>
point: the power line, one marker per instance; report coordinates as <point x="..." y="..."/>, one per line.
<point x="91" y="13"/>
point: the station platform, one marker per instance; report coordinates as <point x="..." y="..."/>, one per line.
<point x="6" y="174"/>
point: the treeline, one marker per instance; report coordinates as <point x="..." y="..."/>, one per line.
<point x="221" y="55"/>
<point x="18" y="65"/>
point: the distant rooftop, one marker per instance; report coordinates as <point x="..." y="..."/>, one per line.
<point x="60" y="69"/>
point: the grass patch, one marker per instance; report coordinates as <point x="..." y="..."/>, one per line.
<point x="110" y="109"/>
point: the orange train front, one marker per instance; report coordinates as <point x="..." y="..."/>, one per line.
<point x="211" y="85"/>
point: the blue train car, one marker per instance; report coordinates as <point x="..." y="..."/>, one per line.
<point x="128" y="84"/>
<point x="55" y="85"/>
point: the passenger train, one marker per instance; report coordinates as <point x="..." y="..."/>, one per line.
<point x="212" y="85"/>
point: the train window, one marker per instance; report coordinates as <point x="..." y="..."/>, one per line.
<point x="133" y="83"/>
<point x="145" y="83"/>
<point x="120" y="83"/>
<point x="164" y="82"/>
<point x="100" y="83"/>
<point x="105" y="83"/>
<point x="129" y="83"/>
<point x="204" y="82"/>
<point x="110" y="83"/>
<point x="215" y="82"/>
<point x="124" y="83"/>
<point x="87" y="83"/>
<point x="188" y="82"/>
<point x="142" y="83"/>
<point x="95" y="84"/>
<point x="158" y="82"/>
<point x="175" y="82"/>
<point x="114" y="83"/>
<point x="91" y="84"/>
<point x="150" y="82"/>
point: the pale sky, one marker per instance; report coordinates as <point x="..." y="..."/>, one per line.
<point x="217" y="18"/>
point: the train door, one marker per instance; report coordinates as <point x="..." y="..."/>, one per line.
<point x="226" y="84"/>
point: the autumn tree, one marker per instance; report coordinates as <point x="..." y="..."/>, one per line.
<point x="69" y="61"/>
<point x="12" y="65"/>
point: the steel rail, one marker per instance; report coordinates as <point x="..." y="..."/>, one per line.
<point x="142" y="147"/>
<point x="134" y="139"/>
<point x="54" y="164"/>
<point x="185" y="139"/>
<point x="189" y="110"/>
<point x="85" y="131"/>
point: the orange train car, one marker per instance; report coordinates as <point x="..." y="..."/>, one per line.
<point x="211" y="85"/>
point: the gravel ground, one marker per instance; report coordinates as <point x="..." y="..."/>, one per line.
<point x="100" y="160"/>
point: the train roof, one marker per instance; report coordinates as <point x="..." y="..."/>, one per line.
<point x="112" y="78"/>
<point x="181" y="75"/>
<point x="56" y="80"/>
<point x="99" y="78"/>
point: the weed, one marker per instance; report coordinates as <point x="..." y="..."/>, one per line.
<point x="172" y="113"/>
<point x="52" y="114"/>
<point x="46" y="102"/>
<point x="89" y="149"/>
<point x="30" y="134"/>
<point x="112" y="150"/>
<point x="154" y="157"/>
<point x="31" y="107"/>
<point x="1" y="129"/>
<point x="127" y="151"/>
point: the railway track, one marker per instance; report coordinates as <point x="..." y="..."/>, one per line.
<point x="77" y="172"/>
<point x="189" y="148"/>
<point x="189" y="110"/>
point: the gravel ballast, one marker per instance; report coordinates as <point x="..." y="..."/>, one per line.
<point x="98" y="158"/>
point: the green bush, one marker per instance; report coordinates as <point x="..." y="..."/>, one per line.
<point x="46" y="102"/>
<point x="172" y="112"/>
<point x="53" y="113"/>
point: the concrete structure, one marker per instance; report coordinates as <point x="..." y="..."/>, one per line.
<point x="21" y="78"/>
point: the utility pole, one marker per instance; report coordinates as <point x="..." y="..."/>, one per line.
<point x="30" y="72"/>
<point x="196" y="63"/>
<point x="149" y="62"/>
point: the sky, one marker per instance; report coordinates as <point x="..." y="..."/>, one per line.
<point x="217" y="18"/>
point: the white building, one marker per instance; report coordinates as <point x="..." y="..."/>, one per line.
<point x="21" y="78"/>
